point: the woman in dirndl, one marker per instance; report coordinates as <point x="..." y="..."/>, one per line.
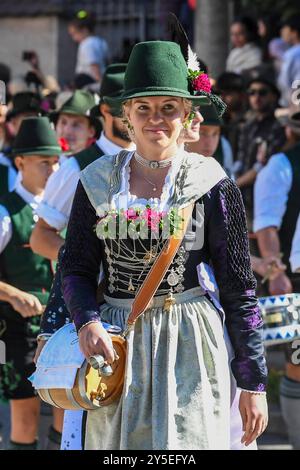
<point x="177" y="390"/>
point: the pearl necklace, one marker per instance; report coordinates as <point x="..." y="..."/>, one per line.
<point x="153" y="164"/>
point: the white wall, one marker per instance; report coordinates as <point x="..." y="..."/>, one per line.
<point x="19" y="34"/>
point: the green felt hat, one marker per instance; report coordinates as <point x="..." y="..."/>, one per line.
<point x="80" y="103"/>
<point x="36" y="137"/>
<point x="158" y="68"/>
<point x="210" y="115"/>
<point x="112" y="87"/>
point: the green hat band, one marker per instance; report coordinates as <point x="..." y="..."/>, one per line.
<point x="44" y="151"/>
<point x="36" y="137"/>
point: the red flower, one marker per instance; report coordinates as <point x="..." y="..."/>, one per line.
<point x="64" y="144"/>
<point x="202" y="83"/>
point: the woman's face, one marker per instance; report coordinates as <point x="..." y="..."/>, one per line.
<point x="238" y="35"/>
<point x="156" y="121"/>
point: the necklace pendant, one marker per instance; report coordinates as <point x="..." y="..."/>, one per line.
<point x="131" y="286"/>
<point x="154" y="164"/>
<point x="154" y="189"/>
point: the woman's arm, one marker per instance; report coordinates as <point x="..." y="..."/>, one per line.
<point x="229" y="251"/>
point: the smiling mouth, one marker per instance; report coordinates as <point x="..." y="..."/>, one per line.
<point x="156" y="130"/>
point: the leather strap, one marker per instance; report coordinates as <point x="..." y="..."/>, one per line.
<point x="160" y="266"/>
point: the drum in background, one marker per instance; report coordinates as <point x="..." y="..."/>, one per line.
<point x="281" y="315"/>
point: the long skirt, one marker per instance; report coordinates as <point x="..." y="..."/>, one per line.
<point x="177" y="382"/>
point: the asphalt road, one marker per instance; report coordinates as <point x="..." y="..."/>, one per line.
<point x="268" y="441"/>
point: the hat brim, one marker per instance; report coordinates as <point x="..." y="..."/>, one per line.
<point x="115" y="107"/>
<point x="160" y="92"/>
<point x="15" y="112"/>
<point x="39" y="151"/>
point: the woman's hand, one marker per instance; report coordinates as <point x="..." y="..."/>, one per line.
<point x="93" y="339"/>
<point x="280" y="285"/>
<point x="268" y="268"/>
<point x="254" y="413"/>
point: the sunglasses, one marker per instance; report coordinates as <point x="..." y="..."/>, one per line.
<point x="261" y="92"/>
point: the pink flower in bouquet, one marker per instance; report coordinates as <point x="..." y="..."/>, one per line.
<point x="131" y="214"/>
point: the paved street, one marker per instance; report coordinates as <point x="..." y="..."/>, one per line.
<point x="4" y="425"/>
<point x="269" y="441"/>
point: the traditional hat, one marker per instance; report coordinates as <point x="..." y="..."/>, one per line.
<point x="24" y="102"/>
<point x="210" y="116"/>
<point x="230" y="81"/>
<point x="158" y="68"/>
<point x="36" y="137"/>
<point x="80" y="103"/>
<point x="112" y="86"/>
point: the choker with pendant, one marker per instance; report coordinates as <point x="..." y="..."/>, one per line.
<point x="153" y="164"/>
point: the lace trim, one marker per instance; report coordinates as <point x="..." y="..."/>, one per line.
<point x="129" y="200"/>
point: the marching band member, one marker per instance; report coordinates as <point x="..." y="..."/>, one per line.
<point x="25" y="277"/>
<point x="277" y="208"/>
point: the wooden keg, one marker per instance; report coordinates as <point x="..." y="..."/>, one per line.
<point x="92" y="389"/>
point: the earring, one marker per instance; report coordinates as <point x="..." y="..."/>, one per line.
<point x="189" y="120"/>
<point x="129" y="126"/>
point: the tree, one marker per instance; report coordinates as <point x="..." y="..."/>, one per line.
<point x="212" y="33"/>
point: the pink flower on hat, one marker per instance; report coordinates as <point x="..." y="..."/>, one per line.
<point x="202" y="83"/>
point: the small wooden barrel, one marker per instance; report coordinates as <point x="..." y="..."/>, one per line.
<point x="91" y="390"/>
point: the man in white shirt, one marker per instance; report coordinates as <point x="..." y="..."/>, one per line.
<point x="295" y="253"/>
<point x="290" y="69"/>
<point x="54" y="210"/>
<point x="25" y="278"/>
<point x="276" y="212"/>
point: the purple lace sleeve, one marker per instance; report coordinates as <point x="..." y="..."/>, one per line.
<point x="81" y="261"/>
<point x="229" y="251"/>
